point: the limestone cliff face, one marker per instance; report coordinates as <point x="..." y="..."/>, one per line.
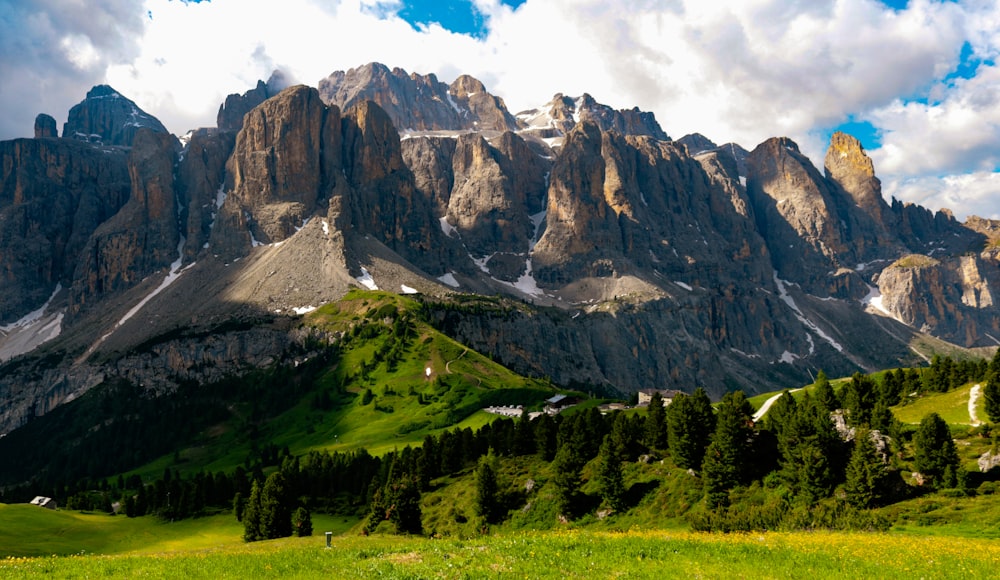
<point x="231" y="112"/>
<point x="384" y="200"/>
<point x="619" y="204"/>
<point x="201" y="176"/>
<point x="417" y="102"/>
<point x="797" y="214"/>
<point x="952" y="298"/>
<point x="144" y="236"/>
<point x="53" y="195"/>
<point x="106" y="117"/>
<point x="284" y="164"/>
<point x="496" y="191"/>
<point x="430" y="160"/>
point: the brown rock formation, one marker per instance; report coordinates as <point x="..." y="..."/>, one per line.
<point x="53" y="195"/>
<point x="144" y="236"/>
<point x="108" y="118"/>
<point x="285" y="159"/>
<point x="418" y="102"/>
<point x="45" y="127"/>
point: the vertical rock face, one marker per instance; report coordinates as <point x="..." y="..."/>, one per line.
<point x="108" y="118"/>
<point x="496" y="191"/>
<point x="796" y="213"/>
<point x="384" y="199"/>
<point x="45" y="127"/>
<point x="53" y="195"/>
<point x="430" y="160"/>
<point x="848" y="165"/>
<point x="285" y="159"/>
<point x="476" y="105"/>
<point x="418" y="102"/>
<point x="617" y="204"/>
<point x="144" y="236"/>
<point x="231" y="112"/>
<point x="201" y="176"/>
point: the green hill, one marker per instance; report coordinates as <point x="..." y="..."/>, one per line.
<point x="371" y="374"/>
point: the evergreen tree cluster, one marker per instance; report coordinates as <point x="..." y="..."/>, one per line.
<point x="796" y="449"/>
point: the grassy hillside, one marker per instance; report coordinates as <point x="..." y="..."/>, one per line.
<point x="360" y="381"/>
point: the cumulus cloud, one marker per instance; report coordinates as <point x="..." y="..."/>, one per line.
<point x="734" y="70"/>
<point x="53" y="51"/>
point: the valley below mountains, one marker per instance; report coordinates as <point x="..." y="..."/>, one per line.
<point x="571" y="241"/>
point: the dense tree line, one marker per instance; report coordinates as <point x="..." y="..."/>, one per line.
<point x="796" y="450"/>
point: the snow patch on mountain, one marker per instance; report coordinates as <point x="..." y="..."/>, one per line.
<point x="449" y="279"/>
<point x="366" y="280"/>
<point x="31" y="330"/>
<point x="447" y="228"/>
<point x="787" y="299"/>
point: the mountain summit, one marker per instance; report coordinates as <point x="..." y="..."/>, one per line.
<point x="572" y="241"/>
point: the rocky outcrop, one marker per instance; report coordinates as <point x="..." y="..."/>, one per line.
<point x="108" y="118"/>
<point x="32" y="389"/>
<point x="952" y="298"/>
<point x="417" y="102"/>
<point x="144" y="236"/>
<point x="201" y="176"/>
<point x="45" y="127"/>
<point x="53" y="194"/>
<point x="797" y="214"/>
<point x="285" y="161"/>
<point x="560" y="115"/>
<point x="236" y="106"/>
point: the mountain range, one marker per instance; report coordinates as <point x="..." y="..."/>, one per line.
<point x="572" y="241"/>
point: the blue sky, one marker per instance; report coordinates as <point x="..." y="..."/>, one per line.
<point x="915" y="80"/>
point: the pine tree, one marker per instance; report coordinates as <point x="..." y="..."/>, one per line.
<point x="656" y="423"/>
<point x="866" y="473"/>
<point x="859" y="400"/>
<point x="690" y="423"/>
<point x="302" y="522"/>
<point x="934" y="453"/>
<point x="487" y="501"/>
<point x="610" y="479"/>
<point x="568" y="467"/>
<point x="239" y="506"/>
<point x="252" y="530"/>
<point x="991" y="398"/>
<point x="727" y="459"/>
<point x="824" y="393"/>
<point x="404" y="506"/>
<point x="275" y="508"/>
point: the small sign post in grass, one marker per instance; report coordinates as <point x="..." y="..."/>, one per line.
<point x="329" y="538"/>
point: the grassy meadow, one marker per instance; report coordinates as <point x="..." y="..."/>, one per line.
<point x="548" y="554"/>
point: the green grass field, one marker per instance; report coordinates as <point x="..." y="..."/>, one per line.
<point x="553" y="554"/>
<point x="952" y="406"/>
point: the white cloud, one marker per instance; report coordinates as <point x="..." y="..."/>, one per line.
<point x="974" y="193"/>
<point x="737" y="70"/>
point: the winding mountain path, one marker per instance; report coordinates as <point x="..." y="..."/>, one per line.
<point x="767" y="404"/>
<point x="447" y="365"/>
<point x="973" y="397"/>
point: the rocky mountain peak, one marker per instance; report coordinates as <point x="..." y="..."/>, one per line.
<point x="45" y="127"/>
<point x="848" y="164"/>
<point x="416" y="102"/>
<point x="284" y="156"/>
<point x="559" y="116"/>
<point x="697" y="143"/>
<point x="106" y="117"/>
